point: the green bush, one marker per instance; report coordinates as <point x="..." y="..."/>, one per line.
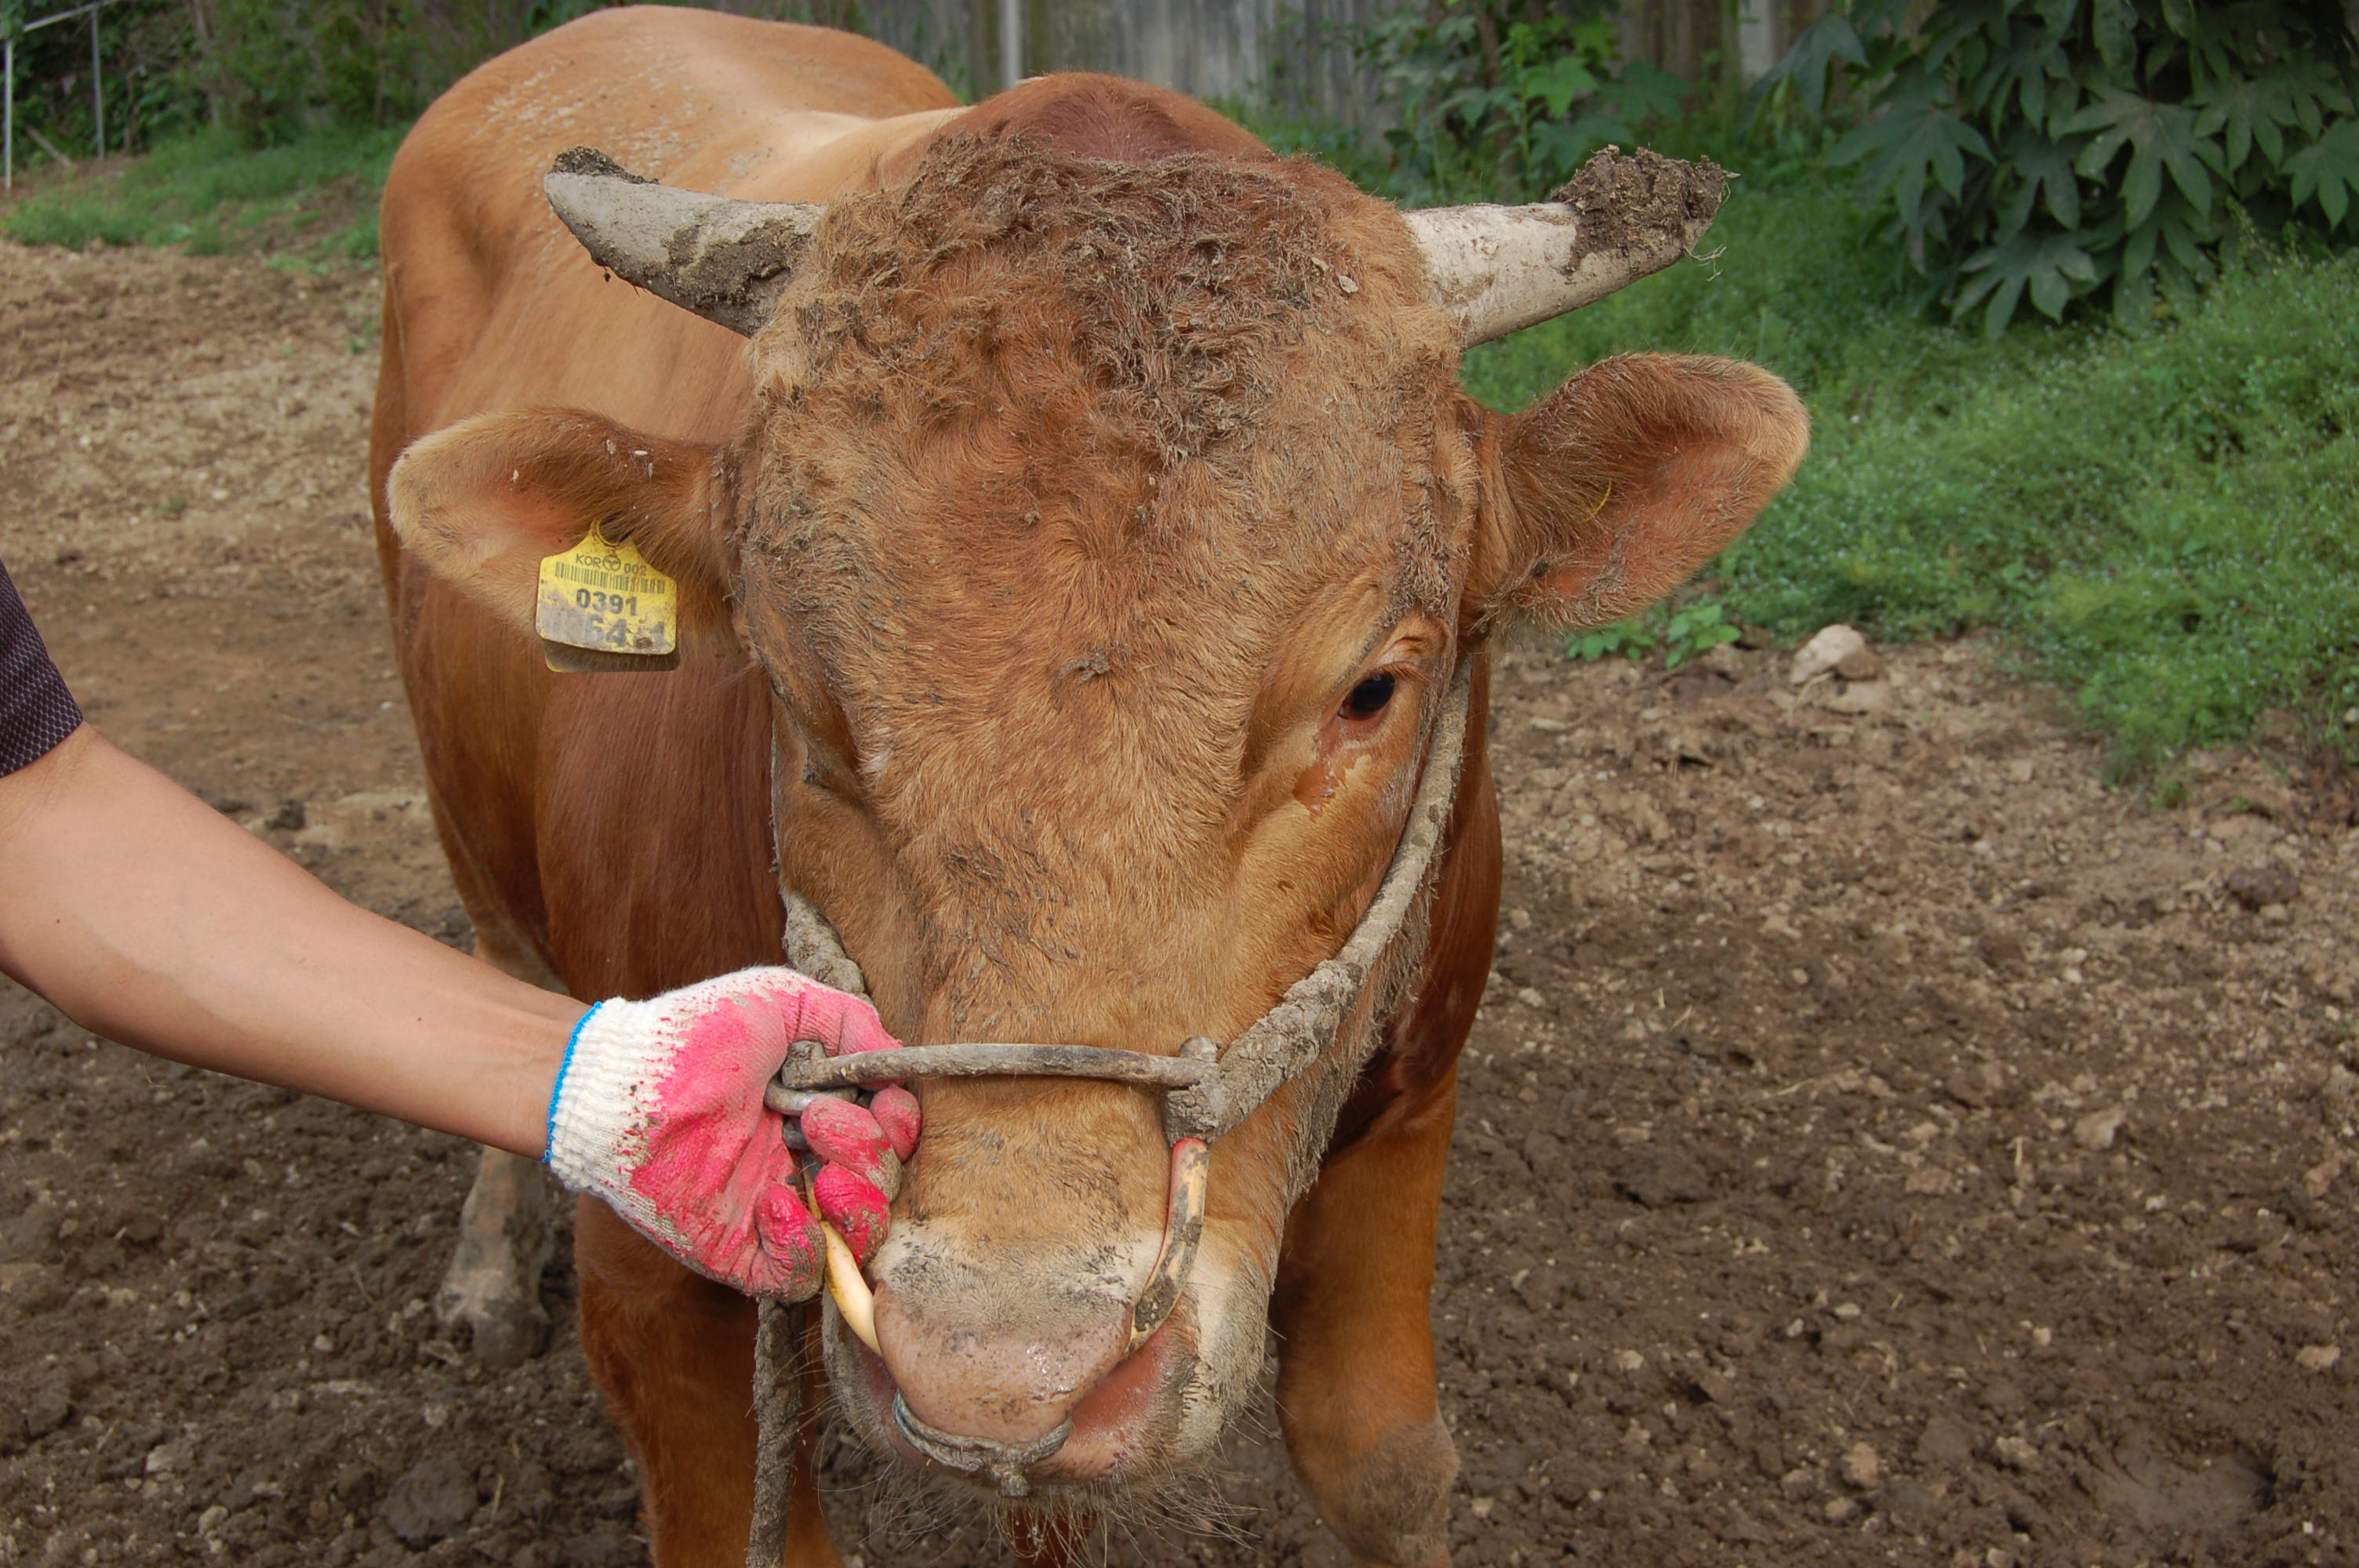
<point x="1502" y="102"/>
<point x="147" y="47"/>
<point x="276" y="70"/>
<point x="268" y="72"/>
<point x="2055" y="150"/>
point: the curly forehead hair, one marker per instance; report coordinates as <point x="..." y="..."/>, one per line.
<point x="1221" y="382"/>
<point x="1179" y="283"/>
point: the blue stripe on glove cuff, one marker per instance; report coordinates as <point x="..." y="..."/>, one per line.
<point x="557" y="1090"/>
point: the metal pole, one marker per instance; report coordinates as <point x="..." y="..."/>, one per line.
<point x="97" y="89"/>
<point x="1011" y="42"/>
<point x="8" y="119"/>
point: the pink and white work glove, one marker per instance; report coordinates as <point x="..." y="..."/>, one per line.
<point x="659" y="1110"/>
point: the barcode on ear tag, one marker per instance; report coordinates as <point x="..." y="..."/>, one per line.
<point x="602" y="607"/>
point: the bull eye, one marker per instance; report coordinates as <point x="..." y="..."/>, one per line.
<point x="1370" y="698"/>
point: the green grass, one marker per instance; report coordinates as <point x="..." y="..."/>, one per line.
<point x="314" y="198"/>
<point x="2167" y="525"/>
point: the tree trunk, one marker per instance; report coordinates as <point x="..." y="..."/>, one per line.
<point x="1691" y="38"/>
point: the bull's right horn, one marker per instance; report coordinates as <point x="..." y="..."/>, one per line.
<point x="1622" y="216"/>
<point x="725" y="259"/>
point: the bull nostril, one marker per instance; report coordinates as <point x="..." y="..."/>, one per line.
<point x="1005" y="1463"/>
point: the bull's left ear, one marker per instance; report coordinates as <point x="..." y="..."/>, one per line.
<point x="485" y="501"/>
<point x="1626" y="479"/>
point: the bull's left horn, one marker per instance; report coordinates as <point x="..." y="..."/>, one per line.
<point x="725" y="259"/>
<point x="1622" y="216"/>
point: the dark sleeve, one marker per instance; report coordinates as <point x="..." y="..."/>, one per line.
<point x="36" y="710"/>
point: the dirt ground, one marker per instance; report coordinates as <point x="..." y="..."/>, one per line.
<point x="1882" y="1143"/>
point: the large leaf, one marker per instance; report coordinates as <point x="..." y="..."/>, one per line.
<point x="1644" y="91"/>
<point x="2159" y="135"/>
<point x="2327" y="171"/>
<point x="2170" y="242"/>
<point x="2316" y="88"/>
<point x="2048" y="267"/>
<point x="1829" y="39"/>
<point x="2114" y="26"/>
<point x="1558" y="83"/>
<point x="2187" y="235"/>
<point x="2023" y="63"/>
<point x="2044" y="170"/>
<point x="2244" y="111"/>
<point x="1955" y="28"/>
<point x="1910" y="144"/>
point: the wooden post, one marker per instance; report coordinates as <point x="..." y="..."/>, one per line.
<point x="986" y="61"/>
<point x="1070" y="35"/>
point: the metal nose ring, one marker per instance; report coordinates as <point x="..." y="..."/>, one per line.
<point x="1005" y="1463"/>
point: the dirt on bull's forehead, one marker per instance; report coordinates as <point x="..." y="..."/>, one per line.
<point x="1880" y="1143"/>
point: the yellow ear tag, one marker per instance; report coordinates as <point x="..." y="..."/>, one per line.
<point x="603" y="608"/>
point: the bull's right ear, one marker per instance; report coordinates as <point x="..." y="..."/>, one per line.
<point x="1627" y="479"/>
<point x="484" y="502"/>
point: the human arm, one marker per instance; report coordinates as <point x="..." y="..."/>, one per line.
<point x="147" y="917"/>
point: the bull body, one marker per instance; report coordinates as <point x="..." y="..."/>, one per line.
<point x="613" y="835"/>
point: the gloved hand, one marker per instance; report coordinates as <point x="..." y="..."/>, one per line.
<point x="659" y="1110"/>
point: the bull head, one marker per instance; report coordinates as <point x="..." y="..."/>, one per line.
<point x="1495" y="269"/>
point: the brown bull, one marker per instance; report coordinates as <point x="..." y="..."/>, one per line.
<point x="1092" y="525"/>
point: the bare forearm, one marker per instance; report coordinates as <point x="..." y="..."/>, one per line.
<point x="150" y="919"/>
